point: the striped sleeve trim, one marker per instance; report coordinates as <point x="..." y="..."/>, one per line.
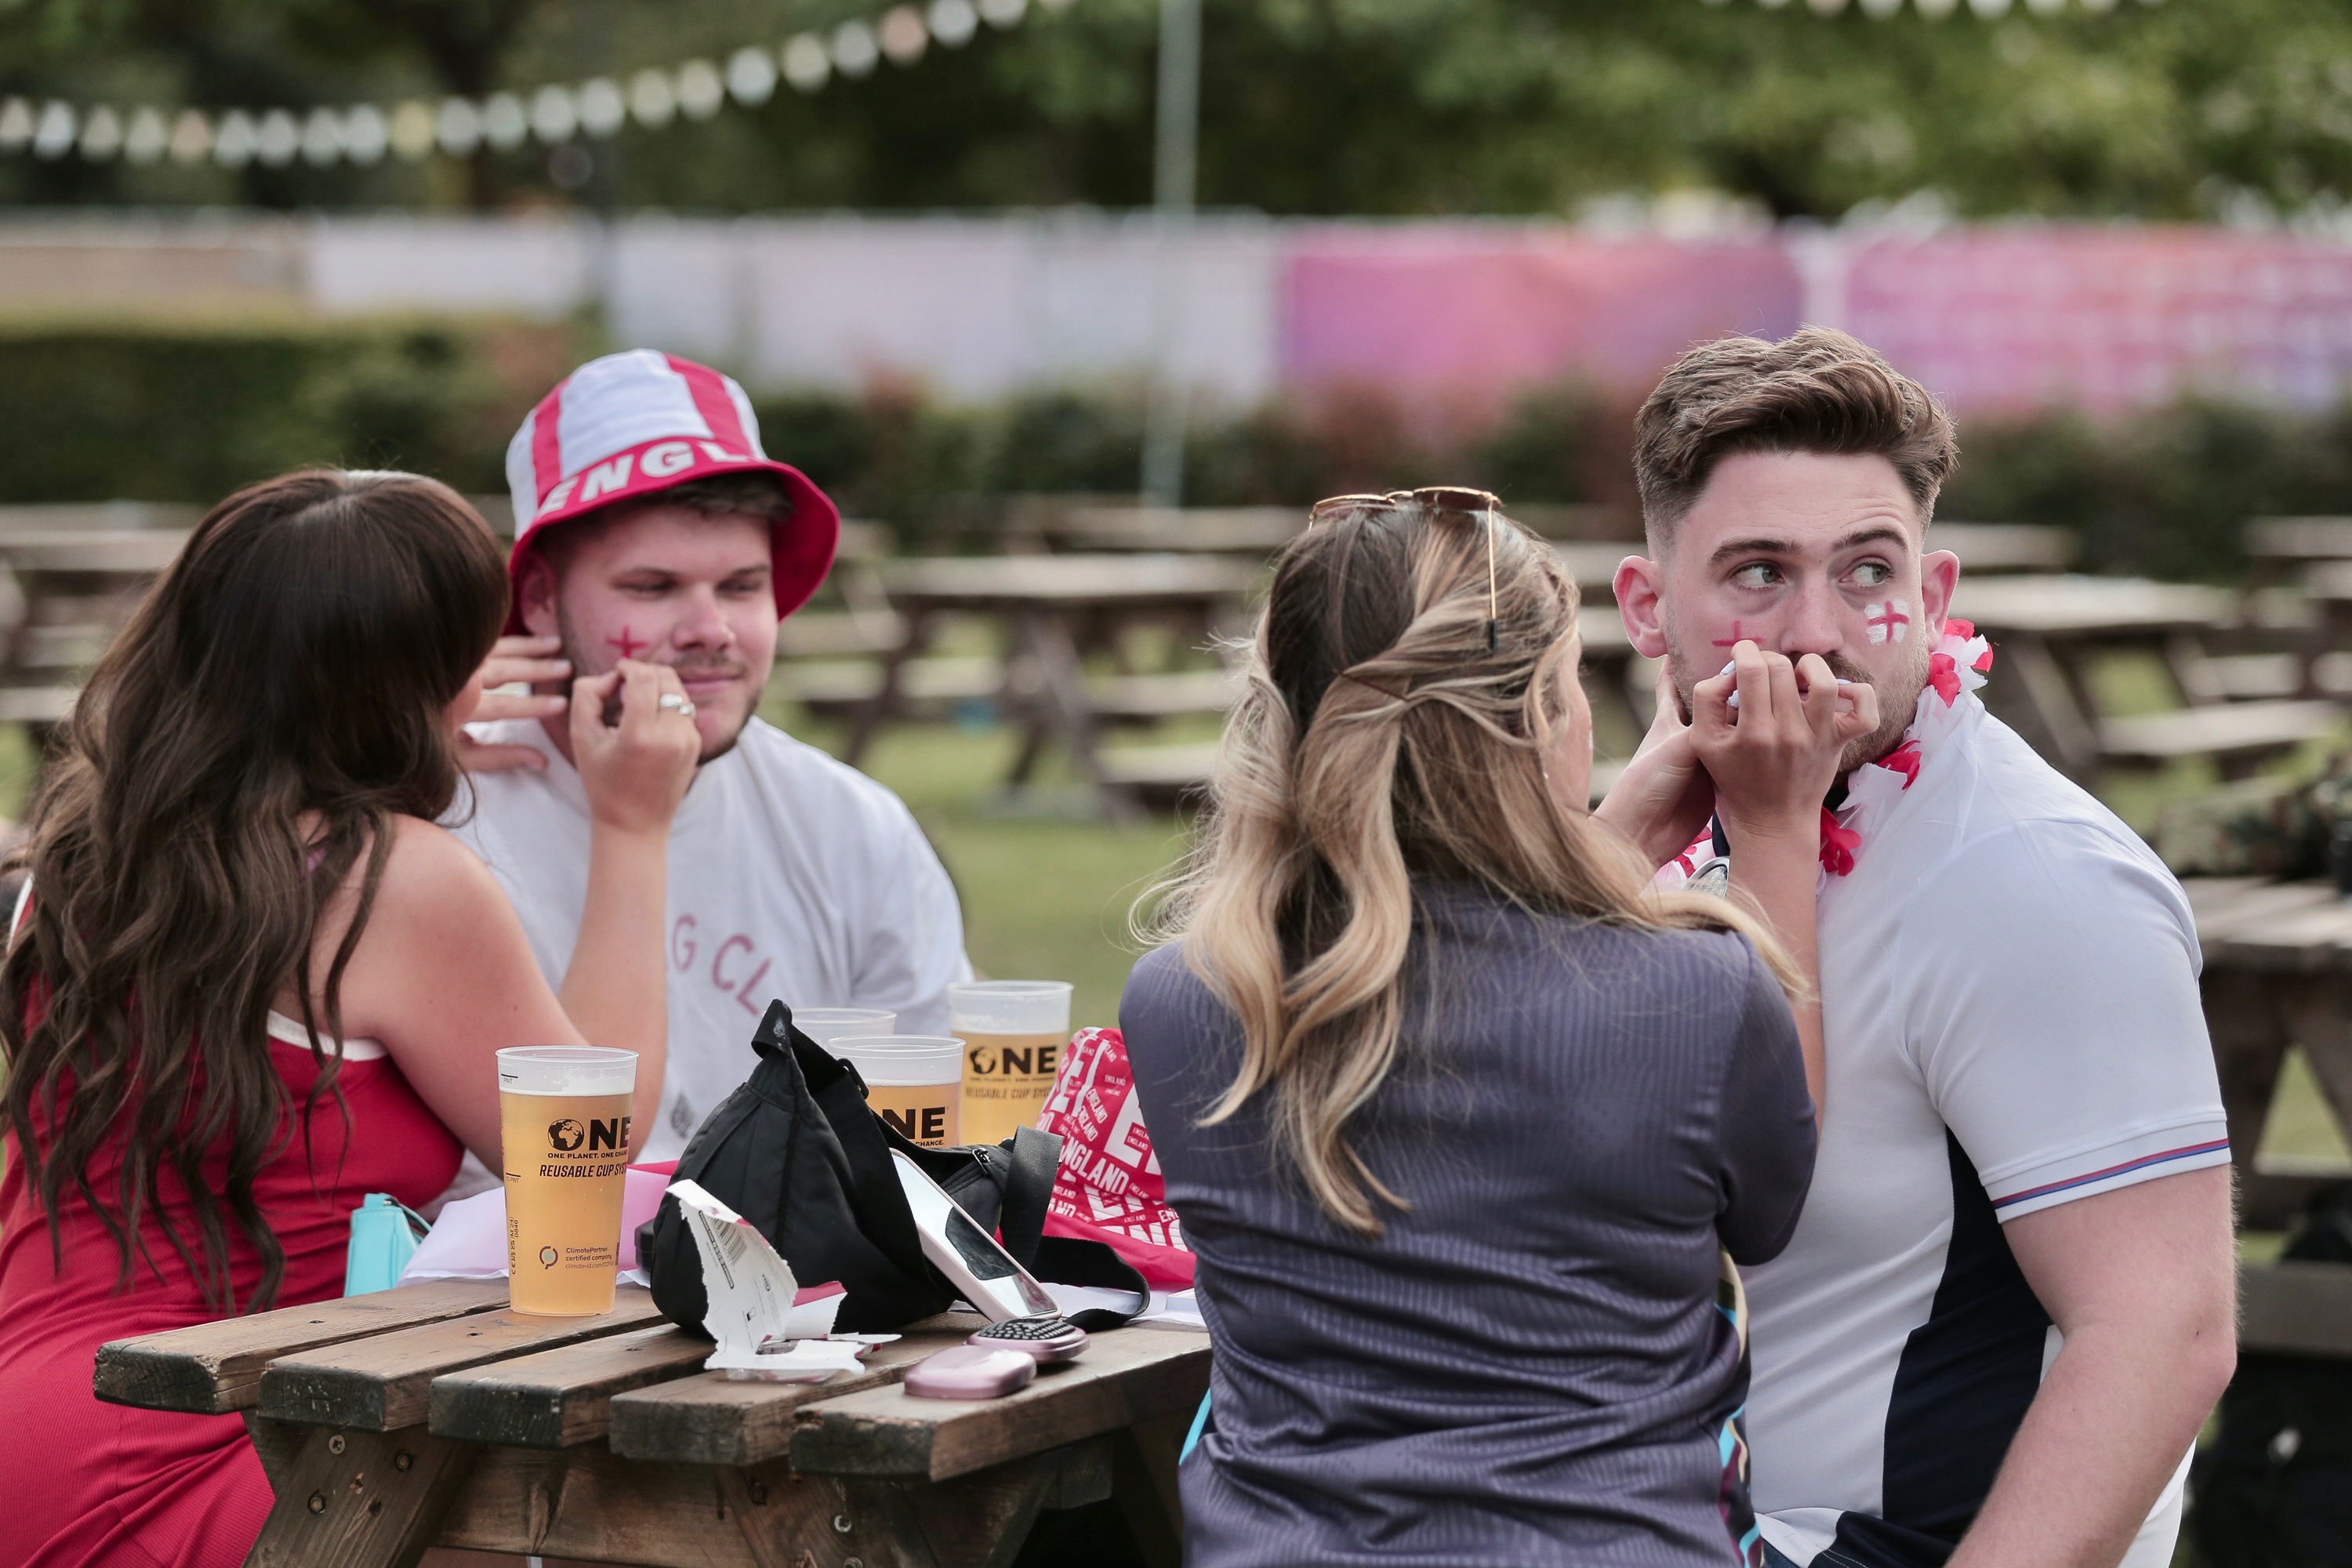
<point x="2141" y="1167"/>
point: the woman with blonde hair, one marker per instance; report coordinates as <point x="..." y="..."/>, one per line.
<point x="1458" y="1114"/>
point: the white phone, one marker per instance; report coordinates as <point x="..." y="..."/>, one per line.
<point x="982" y="1271"/>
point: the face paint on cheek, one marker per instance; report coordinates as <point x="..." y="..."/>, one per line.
<point x="627" y="642"/>
<point x="1889" y="621"/>
<point x="1737" y="637"/>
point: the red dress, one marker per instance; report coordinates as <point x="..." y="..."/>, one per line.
<point x="104" y="1486"/>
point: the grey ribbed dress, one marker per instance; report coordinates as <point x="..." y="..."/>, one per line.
<point x="1530" y="1365"/>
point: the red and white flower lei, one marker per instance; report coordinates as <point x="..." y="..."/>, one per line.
<point x="1960" y="664"/>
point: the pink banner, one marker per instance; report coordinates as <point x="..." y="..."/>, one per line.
<point x="1475" y="312"/>
<point x="2106" y="319"/>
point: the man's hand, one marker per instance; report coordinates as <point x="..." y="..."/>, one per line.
<point x="1664" y="796"/>
<point x="636" y="771"/>
<point x="1775" y="755"/>
<point x="531" y="660"/>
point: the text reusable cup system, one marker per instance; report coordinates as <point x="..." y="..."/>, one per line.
<point x="564" y="1113"/>
<point x="1014" y="1032"/>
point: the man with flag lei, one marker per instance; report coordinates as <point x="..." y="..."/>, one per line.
<point x="2009" y="1305"/>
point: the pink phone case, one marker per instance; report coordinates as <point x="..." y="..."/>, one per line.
<point x="968" y="1372"/>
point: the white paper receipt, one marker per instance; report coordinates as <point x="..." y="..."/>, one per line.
<point x="767" y="1327"/>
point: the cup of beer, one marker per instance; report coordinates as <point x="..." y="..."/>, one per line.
<point x="826" y="1024"/>
<point x="1012" y="1032"/>
<point x="914" y="1082"/>
<point x="564" y="1120"/>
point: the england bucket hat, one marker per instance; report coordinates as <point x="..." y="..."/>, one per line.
<point x="629" y="426"/>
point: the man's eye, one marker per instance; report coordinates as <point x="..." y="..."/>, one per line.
<point x="1871" y="575"/>
<point x="1756" y="574"/>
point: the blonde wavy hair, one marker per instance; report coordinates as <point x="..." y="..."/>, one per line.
<point x="1406" y="683"/>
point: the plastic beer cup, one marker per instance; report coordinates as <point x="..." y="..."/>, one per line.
<point x="826" y="1024"/>
<point x="1014" y="1032"/>
<point x="914" y="1082"/>
<point x="564" y="1119"/>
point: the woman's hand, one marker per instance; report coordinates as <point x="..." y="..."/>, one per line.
<point x="1772" y="759"/>
<point x="1664" y="796"/>
<point x="1774" y="756"/>
<point x="635" y="771"/>
<point x="533" y="660"/>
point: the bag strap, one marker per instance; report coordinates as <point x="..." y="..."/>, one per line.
<point x="1067" y="1261"/>
<point x="1028" y="1188"/>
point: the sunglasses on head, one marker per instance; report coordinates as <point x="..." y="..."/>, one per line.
<point x="1483" y="504"/>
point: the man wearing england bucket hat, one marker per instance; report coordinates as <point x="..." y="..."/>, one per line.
<point x="651" y="525"/>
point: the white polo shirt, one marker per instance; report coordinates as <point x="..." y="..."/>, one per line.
<point x="791" y="876"/>
<point x="2009" y="1002"/>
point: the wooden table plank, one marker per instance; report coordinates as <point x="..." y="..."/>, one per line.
<point x="984" y="581"/>
<point x="1127" y="1377"/>
<point x="214" y="1368"/>
<point x="2300" y="1309"/>
<point x="2073" y="606"/>
<point x="706" y="1419"/>
<point x="2309" y="939"/>
<point x="384" y="1382"/>
<point x="556" y="1398"/>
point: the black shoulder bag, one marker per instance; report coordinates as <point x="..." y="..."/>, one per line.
<point x="796" y="1151"/>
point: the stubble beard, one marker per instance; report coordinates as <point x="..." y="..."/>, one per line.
<point x="1898" y="699"/>
<point x="575" y="649"/>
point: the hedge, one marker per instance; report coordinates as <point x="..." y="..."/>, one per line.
<point x="191" y="413"/>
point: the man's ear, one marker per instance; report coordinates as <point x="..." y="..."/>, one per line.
<point x="535" y="597"/>
<point x="1940" y="575"/>
<point x="1638" y="582"/>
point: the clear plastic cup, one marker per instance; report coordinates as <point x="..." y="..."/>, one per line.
<point x="564" y="1113"/>
<point x="914" y="1082"/>
<point x="1014" y="1032"/>
<point x="826" y="1024"/>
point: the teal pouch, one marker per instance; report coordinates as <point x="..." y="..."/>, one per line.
<point x="384" y="1233"/>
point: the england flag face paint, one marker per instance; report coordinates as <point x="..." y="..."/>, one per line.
<point x="1889" y="621"/>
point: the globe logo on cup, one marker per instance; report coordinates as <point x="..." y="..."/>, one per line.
<point x="564" y="1113"/>
<point x="1014" y="1032"/>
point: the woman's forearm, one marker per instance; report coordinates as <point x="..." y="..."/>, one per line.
<point x="616" y="990"/>
<point x="1777" y="872"/>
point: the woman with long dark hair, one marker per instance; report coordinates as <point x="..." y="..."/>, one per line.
<point x="251" y="981"/>
<point x="1459" y="1115"/>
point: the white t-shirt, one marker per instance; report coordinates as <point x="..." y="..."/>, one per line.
<point x="792" y="876"/>
<point x="2010" y="1003"/>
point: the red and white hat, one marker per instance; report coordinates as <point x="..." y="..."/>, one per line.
<point x="633" y="425"/>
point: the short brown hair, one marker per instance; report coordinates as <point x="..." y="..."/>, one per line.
<point x="1815" y="391"/>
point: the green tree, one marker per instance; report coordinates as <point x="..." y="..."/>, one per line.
<point x="2182" y="109"/>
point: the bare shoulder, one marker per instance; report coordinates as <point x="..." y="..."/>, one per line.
<point x="432" y="879"/>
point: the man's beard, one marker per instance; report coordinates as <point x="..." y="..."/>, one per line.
<point x="712" y="750"/>
<point x="1898" y="703"/>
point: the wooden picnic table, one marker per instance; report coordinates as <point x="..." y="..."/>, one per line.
<point x="432" y="1414"/>
<point x="1051" y="611"/>
<point x="64" y="592"/>
<point x="2278" y="973"/>
<point x="2049" y="632"/>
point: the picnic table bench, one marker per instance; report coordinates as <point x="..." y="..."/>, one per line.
<point x="2278" y="973"/>
<point x="1053" y="610"/>
<point x="64" y="591"/>
<point x="432" y="1414"/>
<point x="2050" y="630"/>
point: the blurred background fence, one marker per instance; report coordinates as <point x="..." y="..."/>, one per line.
<point x="2148" y="387"/>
